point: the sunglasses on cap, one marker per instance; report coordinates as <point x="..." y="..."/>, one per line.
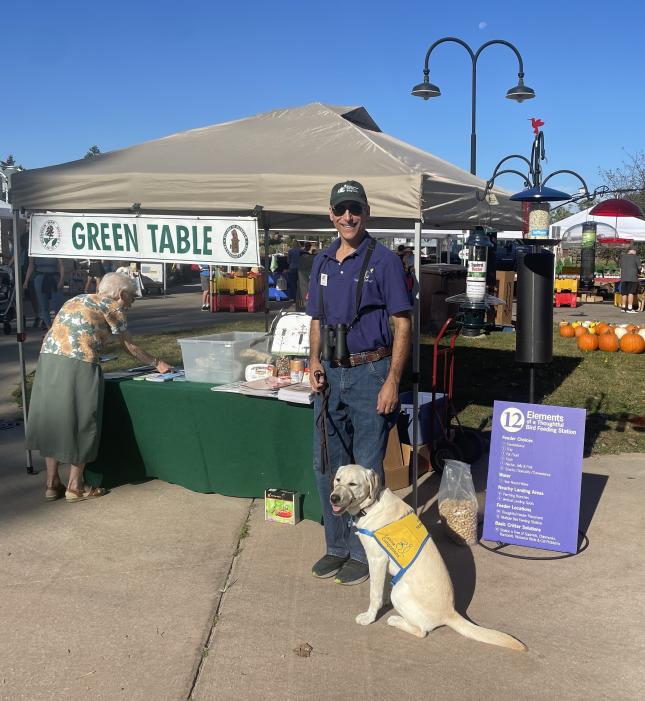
<point x="354" y="208"/>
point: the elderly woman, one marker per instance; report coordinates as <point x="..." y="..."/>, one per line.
<point x="66" y="406"/>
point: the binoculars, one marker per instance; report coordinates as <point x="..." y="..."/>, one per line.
<point x="333" y="343"/>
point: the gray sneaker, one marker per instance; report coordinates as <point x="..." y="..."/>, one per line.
<point x="353" y="572"/>
<point x="328" y="566"/>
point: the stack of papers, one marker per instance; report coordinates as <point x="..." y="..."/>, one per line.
<point x="264" y="387"/>
<point x="164" y="376"/>
<point x="300" y="393"/>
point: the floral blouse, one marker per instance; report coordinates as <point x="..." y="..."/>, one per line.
<point x="83" y="325"/>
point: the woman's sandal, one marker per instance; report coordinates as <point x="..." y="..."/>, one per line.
<point x="55" y="493"/>
<point x="73" y="495"/>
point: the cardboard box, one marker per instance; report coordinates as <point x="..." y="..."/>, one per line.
<point x="282" y="506"/>
<point x="398" y="461"/>
<point x="505" y="280"/>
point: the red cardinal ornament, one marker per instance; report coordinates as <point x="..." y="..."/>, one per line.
<point x="536" y="124"/>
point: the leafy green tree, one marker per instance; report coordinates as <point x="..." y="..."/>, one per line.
<point x="92" y="151"/>
<point x="558" y="214"/>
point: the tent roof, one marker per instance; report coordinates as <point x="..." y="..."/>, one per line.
<point x="285" y="161"/>
<point x="625" y="227"/>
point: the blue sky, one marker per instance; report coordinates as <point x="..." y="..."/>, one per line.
<point x="115" y="74"/>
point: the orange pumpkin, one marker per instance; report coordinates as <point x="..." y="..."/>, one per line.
<point x="581" y="331"/>
<point x="632" y="343"/>
<point x="588" y="342"/>
<point x="601" y="328"/>
<point x="632" y="328"/>
<point x="608" y="342"/>
<point x="567" y="331"/>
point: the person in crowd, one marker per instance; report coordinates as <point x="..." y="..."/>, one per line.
<point x="357" y="393"/>
<point x="64" y="421"/>
<point x="406" y="255"/>
<point x="30" y="292"/>
<point x="304" y="274"/>
<point x="205" y="277"/>
<point x="629" y="272"/>
<point x="49" y="281"/>
<point x="94" y="274"/>
<point x="293" y="257"/>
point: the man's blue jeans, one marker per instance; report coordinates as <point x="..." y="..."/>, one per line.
<point x="356" y="433"/>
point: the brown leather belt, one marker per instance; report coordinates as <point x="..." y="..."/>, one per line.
<point x="365" y="357"/>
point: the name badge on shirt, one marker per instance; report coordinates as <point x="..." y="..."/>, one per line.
<point x="323" y="279"/>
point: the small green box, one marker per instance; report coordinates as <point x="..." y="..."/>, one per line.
<point x="281" y="506"/>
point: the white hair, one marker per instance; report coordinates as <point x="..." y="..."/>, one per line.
<point x="113" y="284"/>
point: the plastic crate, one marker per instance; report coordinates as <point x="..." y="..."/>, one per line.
<point x="237" y="303"/>
<point x="221" y="357"/>
<point x="567" y="284"/>
<point x="566" y="299"/>
<point x="223" y="284"/>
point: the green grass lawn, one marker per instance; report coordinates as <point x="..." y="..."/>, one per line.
<point x="609" y="386"/>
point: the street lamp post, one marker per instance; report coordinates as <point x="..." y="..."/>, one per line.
<point x="519" y="93"/>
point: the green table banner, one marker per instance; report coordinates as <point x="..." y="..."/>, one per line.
<point x="183" y="433"/>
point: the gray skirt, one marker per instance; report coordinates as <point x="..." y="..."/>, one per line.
<point x="66" y="409"/>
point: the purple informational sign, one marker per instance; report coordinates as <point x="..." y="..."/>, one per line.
<point x="534" y="476"/>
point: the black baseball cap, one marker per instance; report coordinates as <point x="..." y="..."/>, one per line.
<point x="348" y="191"/>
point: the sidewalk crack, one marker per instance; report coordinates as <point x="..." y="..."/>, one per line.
<point x="243" y="533"/>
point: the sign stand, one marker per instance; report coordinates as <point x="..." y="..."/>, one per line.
<point x="497" y="550"/>
<point x="534" y="479"/>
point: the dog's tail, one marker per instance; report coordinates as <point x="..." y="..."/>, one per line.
<point x="485" y="635"/>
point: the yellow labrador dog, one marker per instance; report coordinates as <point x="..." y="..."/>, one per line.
<point x="423" y="596"/>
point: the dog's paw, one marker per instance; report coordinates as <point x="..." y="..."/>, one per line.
<point x="364" y="619"/>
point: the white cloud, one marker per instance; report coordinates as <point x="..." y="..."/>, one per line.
<point x="482" y="25"/>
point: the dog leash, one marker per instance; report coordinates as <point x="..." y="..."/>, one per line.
<point x="321" y="425"/>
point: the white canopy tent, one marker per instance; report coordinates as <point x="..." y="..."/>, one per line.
<point x="570" y="229"/>
<point x="284" y="162"/>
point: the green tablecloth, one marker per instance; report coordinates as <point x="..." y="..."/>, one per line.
<point x="182" y="432"/>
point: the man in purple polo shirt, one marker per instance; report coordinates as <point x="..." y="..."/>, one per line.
<point x="357" y="392"/>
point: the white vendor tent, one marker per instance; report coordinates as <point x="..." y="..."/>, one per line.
<point x="570" y="229"/>
<point x="283" y="162"/>
<point x="286" y="161"/>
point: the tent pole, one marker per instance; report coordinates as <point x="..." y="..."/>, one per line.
<point x="20" y="323"/>
<point x="416" y="325"/>
<point x="266" y="277"/>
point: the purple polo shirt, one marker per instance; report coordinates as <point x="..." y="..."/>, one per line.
<point x="384" y="293"/>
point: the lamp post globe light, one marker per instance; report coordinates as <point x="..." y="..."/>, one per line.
<point x="518" y="93"/>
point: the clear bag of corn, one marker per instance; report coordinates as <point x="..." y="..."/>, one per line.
<point x="458" y="503"/>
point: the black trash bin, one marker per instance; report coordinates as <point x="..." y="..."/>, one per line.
<point x="438" y="281"/>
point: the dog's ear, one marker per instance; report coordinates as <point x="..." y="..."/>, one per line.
<point x="374" y="482"/>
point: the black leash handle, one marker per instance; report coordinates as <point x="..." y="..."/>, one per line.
<point x="321" y="424"/>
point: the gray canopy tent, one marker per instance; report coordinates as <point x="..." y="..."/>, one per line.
<point x="280" y="163"/>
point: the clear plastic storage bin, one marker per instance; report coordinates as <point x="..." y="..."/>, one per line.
<point x="222" y="357"/>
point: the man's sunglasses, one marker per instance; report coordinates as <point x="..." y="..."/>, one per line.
<point x="353" y="207"/>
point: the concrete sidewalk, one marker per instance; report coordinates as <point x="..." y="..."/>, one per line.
<point x="155" y="592"/>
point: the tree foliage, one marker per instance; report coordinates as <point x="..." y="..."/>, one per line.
<point x="556" y="215"/>
<point x="629" y="176"/>
<point x="92" y="151"/>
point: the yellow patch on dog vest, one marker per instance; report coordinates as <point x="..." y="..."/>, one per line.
<point x="402" y="539"/>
